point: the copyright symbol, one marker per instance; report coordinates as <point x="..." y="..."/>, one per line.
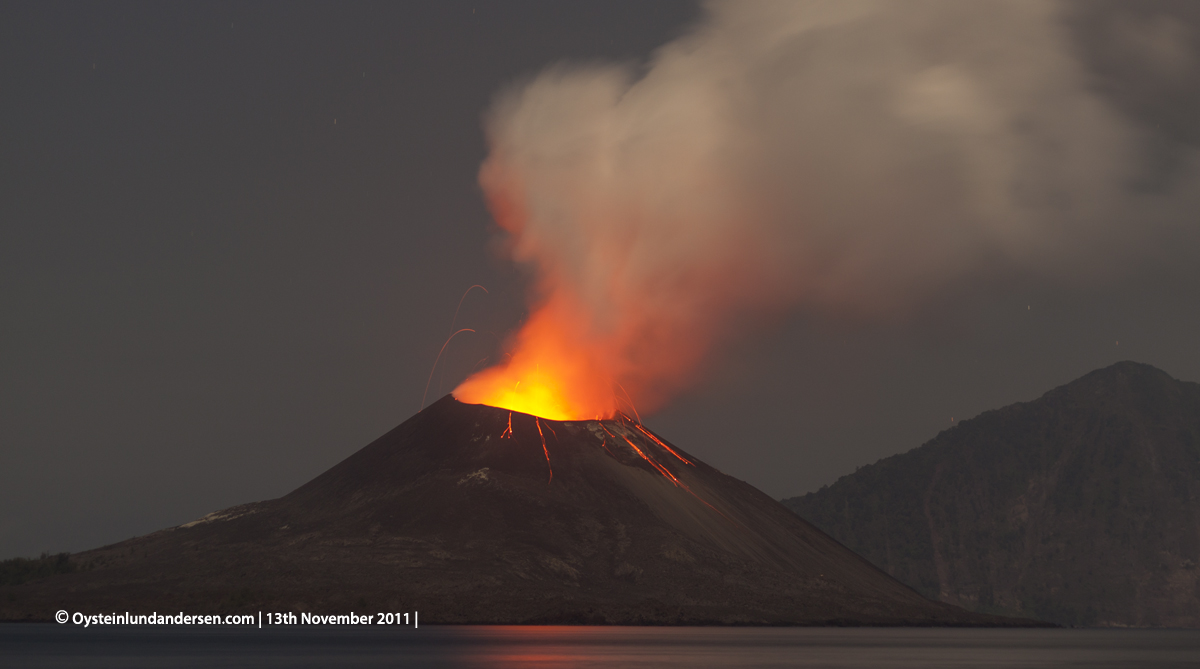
<point x="62" y="616"/>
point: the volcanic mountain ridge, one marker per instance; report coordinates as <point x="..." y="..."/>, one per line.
<point x="1081" y="507"/>
<point x="474" y="514"/>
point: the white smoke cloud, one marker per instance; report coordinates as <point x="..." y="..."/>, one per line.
<point x="831" y="154"/>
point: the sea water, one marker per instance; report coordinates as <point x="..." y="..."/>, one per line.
<point x="51" y="645"/>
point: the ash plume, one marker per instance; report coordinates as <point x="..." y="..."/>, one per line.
<point x="847" y="157"/>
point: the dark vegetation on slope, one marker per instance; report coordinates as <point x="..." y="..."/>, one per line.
<point x="1081" y="507"/>
<point x="20" y="570"/>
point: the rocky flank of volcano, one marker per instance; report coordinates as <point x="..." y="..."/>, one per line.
<point x="473" y="514"/>
<point x="1081" y="507"/>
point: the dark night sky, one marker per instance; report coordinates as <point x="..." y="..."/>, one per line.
<point x="233" y="236"/>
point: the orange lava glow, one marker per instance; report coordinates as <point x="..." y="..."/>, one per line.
<point x="554" y="372"/>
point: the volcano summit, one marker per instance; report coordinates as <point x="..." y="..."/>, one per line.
<point x="473" y="514"/>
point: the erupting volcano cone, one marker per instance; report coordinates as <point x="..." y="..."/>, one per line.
<point x="469" y="513"/>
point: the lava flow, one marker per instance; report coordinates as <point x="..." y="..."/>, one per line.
<point x="617" y="429"/>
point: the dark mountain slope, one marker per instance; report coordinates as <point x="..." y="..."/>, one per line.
<point x="1081" y="507"/>
<point x="456" y="513"/>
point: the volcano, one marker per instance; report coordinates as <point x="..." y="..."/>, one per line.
<point x="474" y="514"/>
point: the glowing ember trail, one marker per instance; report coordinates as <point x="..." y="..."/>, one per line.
<point x="508" y="432"/>
<point x="626" y="422"/>
<point x="631" y="405"/>
<point x="653" y="463"/>
<point x="438" y="359"/>
<point x="660" y="443"/>
<point x="538" y="421"/>
<point x="663" y="470"/>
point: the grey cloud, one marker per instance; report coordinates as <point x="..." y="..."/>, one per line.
<point x="851" y="157"/>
